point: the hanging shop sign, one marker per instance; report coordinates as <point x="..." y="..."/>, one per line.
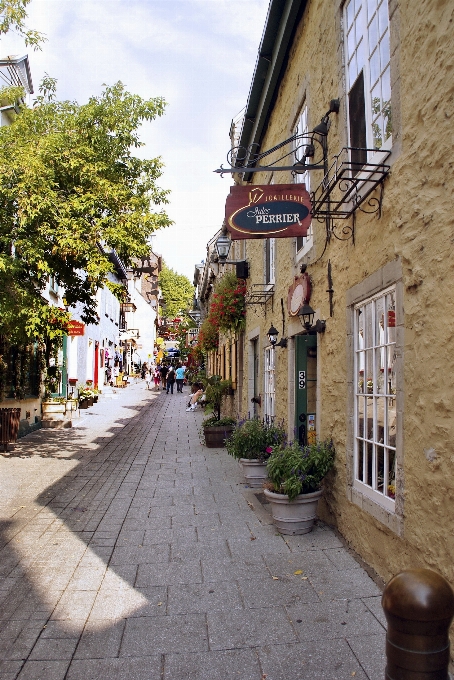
<point x="76" y="327"/>
<point x="299" y="294"/>
<point x="268" y="211"/>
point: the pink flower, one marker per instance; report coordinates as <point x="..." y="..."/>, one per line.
<point x="269" y="449"/>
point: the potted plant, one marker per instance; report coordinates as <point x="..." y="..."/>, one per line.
<point x="54" y="413"/>
<point x="216" y="429"/>
<point x="252" y="442"/>
<point x="85" y="396"/>
<point x="53" y="405"/>
<point x="296" y="473"/>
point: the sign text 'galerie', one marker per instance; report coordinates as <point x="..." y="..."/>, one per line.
<point x="272" y="210"/>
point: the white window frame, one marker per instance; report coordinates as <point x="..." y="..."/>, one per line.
<point x="375" y="388"/>
<point x="301" y="127"/>
<point x="269" y="384"/>
<point x="361" y="17"/>
<point x="269" y="261"/>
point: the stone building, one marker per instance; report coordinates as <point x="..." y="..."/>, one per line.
<point x="364" y="91"/>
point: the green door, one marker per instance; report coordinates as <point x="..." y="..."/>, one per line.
<point x="306" y="388"/>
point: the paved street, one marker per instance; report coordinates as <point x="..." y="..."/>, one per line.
<point x="130" y="551"/>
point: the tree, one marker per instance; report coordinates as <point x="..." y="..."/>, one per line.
<point x="177" y="290"/>
<point x="71" y="191"/>
<point x="12" y="17"/>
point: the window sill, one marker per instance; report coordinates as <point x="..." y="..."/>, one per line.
<point x="304" y="250"/>
<point x="384" y="515"/>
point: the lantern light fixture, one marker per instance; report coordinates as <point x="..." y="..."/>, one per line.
<point x="272" y="335"/>
<point x="306" y="315"/>
<point x="222" y="246"/>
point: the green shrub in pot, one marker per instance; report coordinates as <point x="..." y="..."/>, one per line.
<point x="255" y="439"/>
<point x="294" y="469"/>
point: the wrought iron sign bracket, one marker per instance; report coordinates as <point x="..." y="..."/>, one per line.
<point x="305" y="152"/>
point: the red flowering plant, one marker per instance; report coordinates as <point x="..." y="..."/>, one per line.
<point x="228" y="306"/>
<point x="195" y="364"/>
<point x="209" y="334"/>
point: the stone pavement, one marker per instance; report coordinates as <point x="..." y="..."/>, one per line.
<point x="129" y="551"/>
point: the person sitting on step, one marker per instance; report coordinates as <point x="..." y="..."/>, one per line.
<point x="197" y="395"/>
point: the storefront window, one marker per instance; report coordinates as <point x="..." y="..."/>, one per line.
<point x="269" y="411"/>
<point x="375" y="397"/>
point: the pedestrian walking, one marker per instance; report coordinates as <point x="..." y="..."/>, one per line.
<point x="170" y="379"/>
<point x="148" y="378"/>
<point x="157" y="378"/>
<point x="179" y="376"/>
<point x="163" y="370"/>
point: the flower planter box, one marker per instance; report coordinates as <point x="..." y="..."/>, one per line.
<point x="90" y="401"/>
<point x="215" y="436"/>
<point x="55" y="416"/>
<point x="51" y="409"/>
<point x="254" y="472"/>
<point x="293" y="517"/>
<point x="83" y="403"/>
<point x="71" y="407"/>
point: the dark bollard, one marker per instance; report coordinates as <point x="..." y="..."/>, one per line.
<point x="419" y="606"/>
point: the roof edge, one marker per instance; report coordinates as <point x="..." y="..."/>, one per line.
<point x="277" y="39"/>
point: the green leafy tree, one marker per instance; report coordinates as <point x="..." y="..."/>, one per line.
<point x="13" y="14"/>
<point x="71" y="192"/>
<point x="177" y="290"/>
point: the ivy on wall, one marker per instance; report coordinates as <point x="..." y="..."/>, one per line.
<point x="21" y="369"/>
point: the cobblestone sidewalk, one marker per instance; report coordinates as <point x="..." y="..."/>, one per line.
<point x="129" y="551"/>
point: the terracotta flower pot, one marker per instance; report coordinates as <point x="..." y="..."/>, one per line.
<point x="294" y="517"/>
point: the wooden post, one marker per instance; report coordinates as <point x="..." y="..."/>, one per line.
<point x="419" y="606"/>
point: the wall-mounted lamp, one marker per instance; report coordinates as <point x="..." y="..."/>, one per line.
<point x="272" y="337"/>
<point x="222" y="246"/>
<point x="306" y="315"/>
<point x="323" y="127"/>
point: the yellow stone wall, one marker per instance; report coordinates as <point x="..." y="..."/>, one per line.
<point x="415" y="232"/>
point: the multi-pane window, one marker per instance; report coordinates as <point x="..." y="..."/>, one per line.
<point x="269" y="384"/>
<point x="368" y="75"/>
<point x="301" y="128"/>
<point x="375" y="397"/>
<point x="53" y="285"/>
<point x="270" y="252"/>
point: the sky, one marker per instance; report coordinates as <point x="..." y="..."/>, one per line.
<point x="197" y="54"/>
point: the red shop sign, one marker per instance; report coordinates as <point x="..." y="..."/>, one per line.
<point x="76" y="327"/>
<point x="268" y="211"/>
